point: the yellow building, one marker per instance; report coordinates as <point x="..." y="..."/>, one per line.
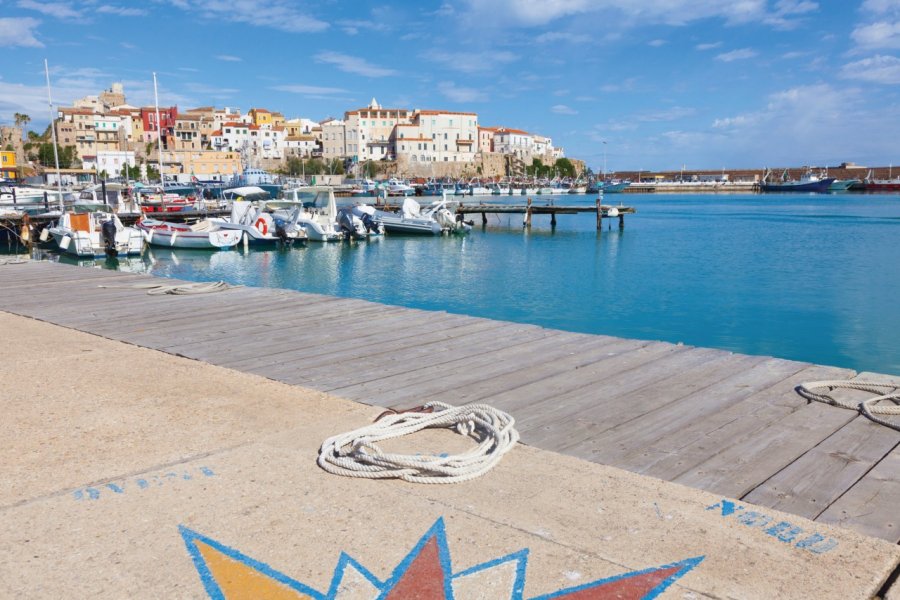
<point x="261" y="116"/>
<point x="7" y="165"/>
<point x="205" y="165"/>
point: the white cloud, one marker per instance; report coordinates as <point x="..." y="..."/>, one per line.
<point x="309" y="89"/>
<point x="709" y="46"/>
<point x="276" y="14"/>
<point x="353" y="64"/>
<point x="742" y="54"/>
<point x="562" y="109"/>
<point x="120" y="11"/>
<point x="882" y="34"/>
<point x="562" y="36"/>
<point x="877" y="69"/>
<point x="229" y="58"/>
<point x="657" y="43"/>
<point x="472" y="62"/>
<point x="627" y="13"/>
<point x="58" y="10"/>
<point x="880" y="6"/>
<point x="463" y="95"/>
<point x="19" y="32"/>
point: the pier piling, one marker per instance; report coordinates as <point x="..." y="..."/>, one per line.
<point x="599" y="216"/>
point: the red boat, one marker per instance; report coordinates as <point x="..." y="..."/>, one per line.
<point x="883" y="185"/>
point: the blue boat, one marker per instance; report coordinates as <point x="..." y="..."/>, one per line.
<point x="258" y="178"/>
<point x="807" y="183"/>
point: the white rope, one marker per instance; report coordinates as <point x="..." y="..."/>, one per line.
<point x="12" y="261"/>
<point x="158" y="289"/>
<point x="356" y="453"/>
<point x="870" y="407"/>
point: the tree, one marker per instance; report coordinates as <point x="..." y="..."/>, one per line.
<point x="564" y="167"/>
<point x="21" y="119"/>
<point x="46" y="157"/>
<point x="336" y="167"/>
<point x="129" y="172"/>
<point x="152" y="173"/>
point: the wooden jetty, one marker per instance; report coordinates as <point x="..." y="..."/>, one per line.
<point x="530" y="208"/>
<point x="727" y="423"/>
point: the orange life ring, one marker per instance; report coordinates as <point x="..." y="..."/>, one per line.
<point x="262" y="226"/>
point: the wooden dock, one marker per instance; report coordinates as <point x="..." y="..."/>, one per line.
<point x="727" y="423"/>
<point x="530" y="208"/>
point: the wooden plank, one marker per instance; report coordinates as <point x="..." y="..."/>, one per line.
<point x="749" y="461"/>
<point x="420" y="355"/>
<point x="618" y="442"/>
<point x="288" y="368"/>
<point x="412" y="388"/>
<point x="871" y="506"/>
<point x="617" y="410"/>
<point x="621" y="397"/>
<point x="334" y="342"/>
<point x="474" y="379"/>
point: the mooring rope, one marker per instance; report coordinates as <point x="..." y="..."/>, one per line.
<point x="869" y="407"/>
<point x="159" y="289"/>
<point x="13" y="261"/>
<point x="356" y="453"/>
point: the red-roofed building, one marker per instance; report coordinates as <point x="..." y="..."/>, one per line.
<point x="167" y="119"/>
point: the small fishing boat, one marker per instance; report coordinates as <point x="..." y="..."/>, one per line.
<point x="807" y="183"/>
<point x="204" y="235"/>
<point x="842" y="185"/>
<point x="94" y="233"/>
<point x="261" y="228"/>
<point x="320" y="217"/>
<point x="891" y="184"/>
<point x="434" y="220"/>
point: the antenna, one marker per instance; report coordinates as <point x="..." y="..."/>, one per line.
<point x="162" y="181"/>
<point x="53" y="134"/>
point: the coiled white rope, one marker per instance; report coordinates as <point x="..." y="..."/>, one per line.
<point x="870" y="407"/>
<point x="356" y="453"/>
<point x="13" y="261"/>
<point x="158" y="289"/>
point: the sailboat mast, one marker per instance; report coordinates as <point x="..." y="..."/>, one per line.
<point x="162" y="181"/>
<point x="53" y="134"/>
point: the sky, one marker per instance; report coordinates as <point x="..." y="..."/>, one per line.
<point x="639" y="84"/>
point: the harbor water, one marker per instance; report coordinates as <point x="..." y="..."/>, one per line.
<point x="807" y="277"/>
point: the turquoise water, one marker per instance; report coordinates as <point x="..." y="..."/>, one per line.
<point x="812" y="278"/>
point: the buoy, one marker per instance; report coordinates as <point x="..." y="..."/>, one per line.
<point x="262" y="226"/>
<point x="613" y="212"/>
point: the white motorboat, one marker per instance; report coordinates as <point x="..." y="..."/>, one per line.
<point x="246" y="192"/>
<point x="319" y="215"/>
<point x="96" y="233"/>
<point x="201" y="235"/>
<point x="396" y="187"/>
<point x="434" y="220"/>
<point x="261" y="227"/>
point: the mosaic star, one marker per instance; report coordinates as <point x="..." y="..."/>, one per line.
<point x="424" y="574"/>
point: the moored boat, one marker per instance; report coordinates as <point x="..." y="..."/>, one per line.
<point x="203" y="235"/>
<point x="807" y="183"/>
<point x="261" y="228"/>
<point x="842" y="185"/>
<point x="412" y="219"/>
<point x="95" y="233"/>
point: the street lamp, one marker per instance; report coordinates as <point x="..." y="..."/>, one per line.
<point x="604" y="160"/>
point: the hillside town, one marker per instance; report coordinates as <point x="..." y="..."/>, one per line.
<point x="102" y="134"/>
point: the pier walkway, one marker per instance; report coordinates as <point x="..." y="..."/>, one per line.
<point x="725" y="423"/>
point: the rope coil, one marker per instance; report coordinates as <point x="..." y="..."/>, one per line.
<point x="869" y="407"/>
<point x="356" y="453"/>
<point x="158" y="289"/>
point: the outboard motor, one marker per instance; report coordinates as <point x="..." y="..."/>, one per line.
<point x="366" y="214"/>
<point x="108" y="234"/>
<point x="281" y="231"/>
<point x="345" y="222"/>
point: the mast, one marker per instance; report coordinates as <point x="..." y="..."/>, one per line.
<point x="53" y="133"/>
<point x="162" y="181"/>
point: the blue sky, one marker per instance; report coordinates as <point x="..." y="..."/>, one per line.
<point x="666" y="83"/>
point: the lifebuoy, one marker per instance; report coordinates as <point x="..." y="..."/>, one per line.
<point x="262" y="225"/>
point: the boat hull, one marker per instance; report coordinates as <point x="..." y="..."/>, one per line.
<point x="886" y="186"/>
<point x="819" y="187"/>
<point x="90" y="245"/>
<point x="168" y="235"/>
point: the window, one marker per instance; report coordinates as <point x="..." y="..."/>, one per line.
<point x="445" y="136"/>
<point x="451" y="122"/>
<point x="445" y="147"/>
<point x="446" y="159"/>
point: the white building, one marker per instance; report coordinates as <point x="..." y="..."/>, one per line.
<point x="334" y="142"/>
<point x="110" y="161"/>
<point x="256" y="141"/>
<point x="438" y="136"/>
<point x="514" y="141"/>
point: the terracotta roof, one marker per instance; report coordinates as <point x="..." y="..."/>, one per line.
<point x="232" y="124"/>
<point x="445" y="112"/>
<point x="513" y="131"/>
<point x="488" y="128"/>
